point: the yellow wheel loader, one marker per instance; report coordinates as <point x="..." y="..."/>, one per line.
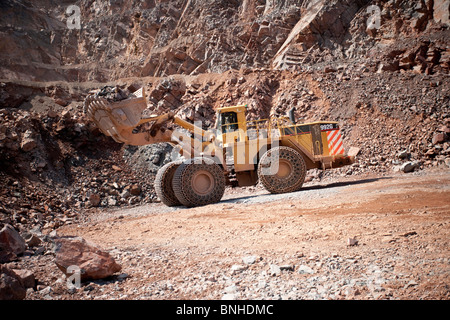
<point x="275" y="151"/>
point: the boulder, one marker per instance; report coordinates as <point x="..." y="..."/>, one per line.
<point x="409" y="166"/>
<point x="93" y="262"/>
<point x="94" y="200"/>
<point x="6" y="256"/>
<point x="263" y="32"/>
<point x="303" y="269"/>
<point x="52" y="113"/>
<point x="389" y="66"/>
<point x="11" y="242"/>
<point x="249" y="259"/>
<point x="26" y="277"/>
<point x="236" y="268"/>
<point x="353" y="151"/>
<point x="352" y="242"/>
<point x="274" y="270"/>
<point x="135" y="190"/>
<point x="447" y="162"/>
<point x="11" y="286"/>
<point x="32" y="240"/>
<point x="404" y="155"/>
<point x="438" y="138"/>
<point x="445" y="129"/>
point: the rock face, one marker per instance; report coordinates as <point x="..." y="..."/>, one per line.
<point x="324" y="24"/>
<point x="119" y="39"/>
<point x="93" y="262"/>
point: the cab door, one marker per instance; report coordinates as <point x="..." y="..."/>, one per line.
<point x="316" y="136"/>
<point x="229" y="127"/>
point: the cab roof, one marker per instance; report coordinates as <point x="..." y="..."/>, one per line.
<point x="231" y="108"/>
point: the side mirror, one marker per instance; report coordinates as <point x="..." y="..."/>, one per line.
<point x="291" y="115"/>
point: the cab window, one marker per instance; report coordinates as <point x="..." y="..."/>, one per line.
<point x="228" y="122"/>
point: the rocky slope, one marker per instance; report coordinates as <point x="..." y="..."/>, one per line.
<point x="119" y="38"/>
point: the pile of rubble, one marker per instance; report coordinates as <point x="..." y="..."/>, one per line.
<point x="113" y="93"/>
<point x="392" y="124"/>
<point x="55" y="166"/>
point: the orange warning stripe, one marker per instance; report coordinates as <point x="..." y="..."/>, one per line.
<point x="335" y="143"/>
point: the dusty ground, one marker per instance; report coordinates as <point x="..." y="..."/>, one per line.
<point x="254" y="245"/>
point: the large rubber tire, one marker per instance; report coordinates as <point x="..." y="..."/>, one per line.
<point x="163" y="184"/>
<point x="290" y="173"/>
<point x="198" y="182"/>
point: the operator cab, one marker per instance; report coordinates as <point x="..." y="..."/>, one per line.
<point x="231" y="124"/>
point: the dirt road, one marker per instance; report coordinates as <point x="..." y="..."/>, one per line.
<point x="254" y="245"/>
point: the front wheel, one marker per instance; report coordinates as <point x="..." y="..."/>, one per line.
<point x="198" y="182"/>
<point x="163" y="184"/>
<point x="281" y="170"/>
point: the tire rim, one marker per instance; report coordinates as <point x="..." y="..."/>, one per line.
<point x="284" y="169"/>
<point x="202" y="182"/>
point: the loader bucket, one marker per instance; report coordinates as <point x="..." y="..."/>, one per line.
<point x="112" y="118"/>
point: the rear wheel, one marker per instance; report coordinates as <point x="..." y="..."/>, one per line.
<point x="281" y="170"/>
<point x="198" y="182"/>
<point x="163" y="184"/>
